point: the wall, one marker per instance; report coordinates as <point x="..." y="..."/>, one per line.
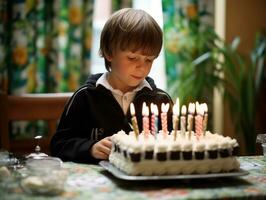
<point x="245" y="18"/>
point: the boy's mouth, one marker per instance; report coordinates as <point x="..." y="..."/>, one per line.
<point x="137" y="77"/>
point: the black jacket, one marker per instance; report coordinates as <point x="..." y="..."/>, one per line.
<point x="93" y="113"/>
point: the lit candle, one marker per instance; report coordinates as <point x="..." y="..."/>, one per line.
<point x="191" y="111"/>
<point x="183" y="120"/>
<point x="154" y="119"/>
<point x="205" y="118"/>
<point x="176" y="117"/>
<point x="134" y="120"/>
<point x="164" y="108"/>
<point x="199" y="120"/>
<point x="145" y="120"/>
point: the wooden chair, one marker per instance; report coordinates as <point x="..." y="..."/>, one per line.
<point x="30" y="107"/>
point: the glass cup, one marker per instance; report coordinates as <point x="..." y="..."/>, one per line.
<point x="264" y="149"/>
<point x="44" y="176"/>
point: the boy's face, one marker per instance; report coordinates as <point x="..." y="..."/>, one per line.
<point x="129" y="69"/>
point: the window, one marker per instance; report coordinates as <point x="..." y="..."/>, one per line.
<point x="102" y="10"/>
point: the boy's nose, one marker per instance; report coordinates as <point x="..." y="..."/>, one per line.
<point x="140" y="63"/>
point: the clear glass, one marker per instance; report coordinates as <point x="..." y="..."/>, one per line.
<point x="44" y="176"/>
<point x="264" y="149"/>
<point x="4" y="158"/>
<point x="9" y="176"/>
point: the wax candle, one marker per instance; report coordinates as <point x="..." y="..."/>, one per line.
<point x="205" y="118"/>
<point x="145" y="120"/>
<point x="199" y="120"/>
<point x="134" y="120"/>
<point x="154" y="119"/>
<point x="183" y="120"/>
<point x="164" y="108"/>
<point x="176" y="117"/>
<point x="191" y="111"/>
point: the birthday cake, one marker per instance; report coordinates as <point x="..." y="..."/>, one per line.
<point x="183" y="151"/>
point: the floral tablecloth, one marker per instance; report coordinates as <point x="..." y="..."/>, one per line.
<point x="93" y="182"/>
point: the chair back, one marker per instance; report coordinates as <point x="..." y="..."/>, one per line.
<point x="30" y="107"/>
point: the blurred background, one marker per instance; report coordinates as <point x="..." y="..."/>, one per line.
<point x="214" y="52"/>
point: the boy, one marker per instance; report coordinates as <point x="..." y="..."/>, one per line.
<point x="130" y="41"/>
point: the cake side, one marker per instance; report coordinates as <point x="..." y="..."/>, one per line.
<point x="164" y="155"/>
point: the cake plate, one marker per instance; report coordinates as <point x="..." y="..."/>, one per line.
<point x="122" y="175"/>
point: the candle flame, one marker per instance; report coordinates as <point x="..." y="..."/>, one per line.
<point x="132" y="109"/>
<point x="145" y="109"/>
<point x="191" y="108"/>
<point x="184" y="110"/>
<point x="200" y="109"/>
<point x="165" y="107"/>
<point x="176" y="107"/>
<point x="154" y="109"/>
<point x="205" y="107"/>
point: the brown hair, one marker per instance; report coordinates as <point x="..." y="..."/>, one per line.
<point x="130" y="29"/>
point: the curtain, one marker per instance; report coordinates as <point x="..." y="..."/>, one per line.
<point x="191" y="51"/>
<point x="189" y="48"/>
<point x="171" y="36"/>
<point x="45" y="47"/>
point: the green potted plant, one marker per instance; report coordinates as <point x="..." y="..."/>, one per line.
<point x="242" y="80"/>
<point x="196" y="57"/>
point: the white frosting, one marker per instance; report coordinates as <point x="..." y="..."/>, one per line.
<point x="224" y="144"/>
<point x="199" y="147"/>
<point x="187" y="146"/>
<point x="135" y="148"/>
<point x="174" y="146"/>
<point x="165" y="143"/>
<point x="211" y="145"/>
<point x="161" y="147"/>
<point x="234" y="143"/>
<point x="149" y="146"/>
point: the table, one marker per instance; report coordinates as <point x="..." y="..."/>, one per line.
<point x="93" y="182"/>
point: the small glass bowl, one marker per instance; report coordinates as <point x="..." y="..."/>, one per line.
<point x="264" y="149"/>
<point x="44" y="176"/>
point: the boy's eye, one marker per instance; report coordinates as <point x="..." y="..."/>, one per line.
<point x="132" y="58"/>
<point x="149" y="60"/>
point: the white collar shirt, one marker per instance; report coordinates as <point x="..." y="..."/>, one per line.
<point x="123" y="99"/>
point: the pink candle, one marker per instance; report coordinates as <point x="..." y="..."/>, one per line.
<point x="145" y="120"/>
<point x="154" y="119"/>
<point x="164" y="109"/>
<point x="199" y="120"/>
<point x="191" y="111"/>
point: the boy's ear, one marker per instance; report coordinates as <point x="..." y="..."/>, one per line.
<point x="108" y="57"/>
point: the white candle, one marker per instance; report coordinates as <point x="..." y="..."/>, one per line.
<point x="205" y="118"/>
<point x="176" y="117"/>
<point x="134" y="120"/>
<point x="183" y="120"/>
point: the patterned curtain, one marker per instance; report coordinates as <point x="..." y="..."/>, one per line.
<point x="45" y="47"/>
<point x="190" y="50"/>
<point x="189" y="43"/>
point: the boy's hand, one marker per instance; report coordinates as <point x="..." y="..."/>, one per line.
<point x="102" y="149"/>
